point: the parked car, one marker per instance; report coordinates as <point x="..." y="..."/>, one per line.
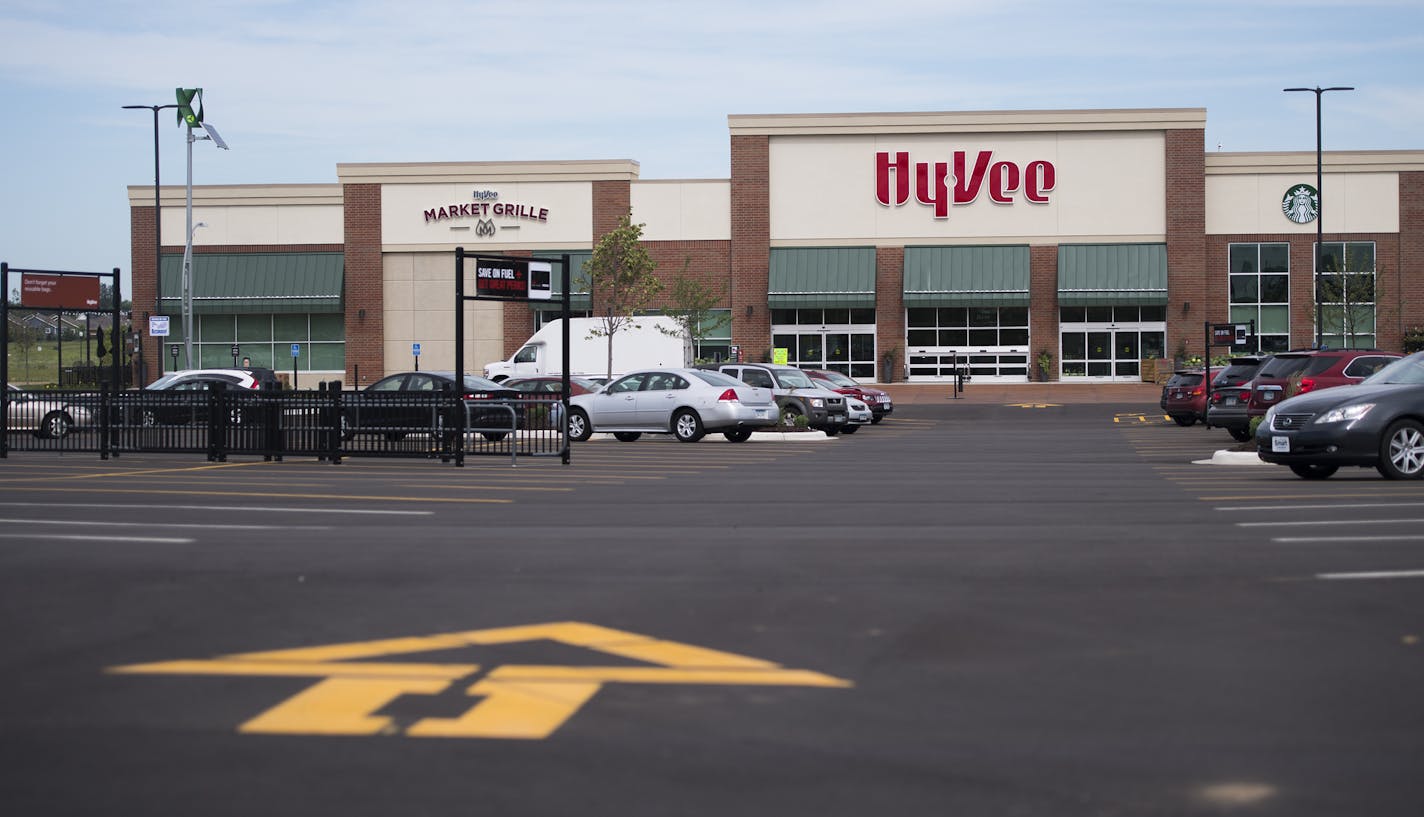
<point x="858" y="414"/>
<point x="489" y="407"/>
<point x="796" y="393"/>
<point x="1230" y="393"/>
<point x="878" y="400"/>
<point x="548" y="413"/>
<point x="1379" y="424"/>
<point x="181" y="406"/>
<point x="1185" y="402"/>
<point x="250" y="377"/>
<point x="686" y="403"/>
<point x="1312" y="369"/>
<point x="45" y="416"/>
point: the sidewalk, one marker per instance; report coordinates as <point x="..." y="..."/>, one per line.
<point x="1061" y="393"/>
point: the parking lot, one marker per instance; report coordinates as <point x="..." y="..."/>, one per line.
<point x="1004" y="604"/>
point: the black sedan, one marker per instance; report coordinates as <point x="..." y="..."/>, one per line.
<point x="409" y="402"/>
<point x="1378" y="423"/>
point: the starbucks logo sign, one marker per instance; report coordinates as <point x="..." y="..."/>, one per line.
<point x="1301" y="204"/>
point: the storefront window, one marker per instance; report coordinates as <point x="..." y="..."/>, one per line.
<point x="1347" y="292"/>
<point x="1259" y="290"/>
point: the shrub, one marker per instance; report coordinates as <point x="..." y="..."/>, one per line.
<point x="1413" y="340"/>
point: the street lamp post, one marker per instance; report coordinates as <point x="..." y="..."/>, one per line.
<point x="1319" y="207"/>
<point x="157" y="217"/>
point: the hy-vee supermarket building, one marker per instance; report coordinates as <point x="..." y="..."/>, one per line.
<point x="1105" y="237"/>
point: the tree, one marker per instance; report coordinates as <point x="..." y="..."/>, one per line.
<point x="621" y="276"/>
<point x="692" y="303"/>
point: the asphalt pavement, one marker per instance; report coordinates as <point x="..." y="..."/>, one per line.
<point x="1031" y="605"/>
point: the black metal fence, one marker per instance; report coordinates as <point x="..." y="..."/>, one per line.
<point x="329" y="423"/>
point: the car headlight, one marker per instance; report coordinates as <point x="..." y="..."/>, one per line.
<point x="817" y="402"/>
<point x="1345" y="414"/>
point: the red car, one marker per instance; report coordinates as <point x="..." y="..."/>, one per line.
<point x="879" y="401"/>
<point x="1312" y="369"/>
<point x="1185" y="396"/>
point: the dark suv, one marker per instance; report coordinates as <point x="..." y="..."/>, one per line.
<point x="1230" y="393"/>
<point x="1312" y="370"/>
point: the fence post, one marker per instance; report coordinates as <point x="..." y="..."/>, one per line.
<point x="217" y="422"/>
<point x="331" y="421"/>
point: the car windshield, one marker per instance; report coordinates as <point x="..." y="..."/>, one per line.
<point x="794" y="379"/>
<point x="162" y="382"/>
<point x="1406" y="370"/>
<point x="717" y="378"/>
<point x="838" y="379"/>
<point x="1283" y="367"/>
<point x="1236" y="374"/>
<point x="474" y="383"/>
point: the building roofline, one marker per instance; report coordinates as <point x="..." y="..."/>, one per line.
<point x="821" y="124"/>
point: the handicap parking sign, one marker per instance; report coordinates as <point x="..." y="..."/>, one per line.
<point x="296" y="350"/>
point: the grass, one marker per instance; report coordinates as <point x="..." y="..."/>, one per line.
<point x="36" y="365"/>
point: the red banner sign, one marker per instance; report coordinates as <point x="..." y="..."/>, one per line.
<point x="59" y="291"/>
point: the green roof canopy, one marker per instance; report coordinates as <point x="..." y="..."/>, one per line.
<point x="233" y="283"/>
<point x="821" y="278"/>
<point x="1112" y="274"/>
<point x="966" y="276"/>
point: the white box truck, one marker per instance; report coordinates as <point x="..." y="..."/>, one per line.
<point x="646" y="345"/>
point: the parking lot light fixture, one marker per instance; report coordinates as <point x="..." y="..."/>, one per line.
<point x="1319" y="206"/>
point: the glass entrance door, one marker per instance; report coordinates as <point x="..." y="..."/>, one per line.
<point x="1103" y="354"/>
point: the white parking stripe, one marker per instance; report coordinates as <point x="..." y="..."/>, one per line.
<point x="80" y="538"/>
<point x="242" y="508"/>
<point x="1315" y="522"/>
<point x="1331" y="506"/>
<point x="200" y="525"/>
<point x="1413" y="537"/>
<point x="1380" y="574"/>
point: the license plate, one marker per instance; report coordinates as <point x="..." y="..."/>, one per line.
<point x="1230" y="401"/>
<point x="1280" y="445"/>
<point x="761" y="414"/>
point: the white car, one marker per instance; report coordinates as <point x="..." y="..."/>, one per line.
<point x="45" y="416"/>
<point x="858" y="413"/>
<point x="686" y="403"/>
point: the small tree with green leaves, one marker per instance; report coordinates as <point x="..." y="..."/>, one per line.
<point x="692" y="304"/>
<point x="621" y="276"/>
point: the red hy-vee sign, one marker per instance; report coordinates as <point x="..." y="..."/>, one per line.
<point x="1003" y="179"/>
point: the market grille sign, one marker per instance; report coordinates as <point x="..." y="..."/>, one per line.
<point x="1301" y="204"/>
<point x="489" y="214"/>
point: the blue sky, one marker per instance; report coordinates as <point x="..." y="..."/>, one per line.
<point x="297" y="87"/>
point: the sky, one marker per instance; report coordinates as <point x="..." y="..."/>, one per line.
<point x="297" y="87"/>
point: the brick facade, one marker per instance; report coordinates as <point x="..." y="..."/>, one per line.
<point x="1043" y="307"/>
<point x="890" y="312"/>
<point x="364" y="284"/>
<point x="751" y="244"/>
<point x="1188" y="300"/>
<point x="1410" y="289"/>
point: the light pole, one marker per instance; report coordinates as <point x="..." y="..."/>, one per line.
<point x="190" y="113"/>
<point x="1319" y="207"/>
<point x="187" y="280"/>
<point x="157" y="216"/>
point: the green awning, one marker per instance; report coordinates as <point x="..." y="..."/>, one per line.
<point x="821" y="278"/>
<point x="966" y="276"/>
<point x="1112" y="274"/>
<point x="580" y="298"/>
<point x="262" y="282"/>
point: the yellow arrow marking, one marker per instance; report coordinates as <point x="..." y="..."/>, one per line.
<point x="516" y="701"/>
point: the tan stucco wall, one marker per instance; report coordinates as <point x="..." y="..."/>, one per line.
<point x="690" y="210"/>
<point x="419" y="293"/>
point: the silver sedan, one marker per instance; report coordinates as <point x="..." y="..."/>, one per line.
<point x="45" y="416"/>
<point x="686" y="403"/>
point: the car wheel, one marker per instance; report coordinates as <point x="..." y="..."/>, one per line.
<point x="1307" y="471"/>
<point x="55" y="425"/>
<point x="348" y="427"/>
<point x="875" y="421"/>
<point x="790" y="410"/>
<point x="831" y="431"/>
<point x="627" y="436"/>
<point x="1402" y="451"/>
<point x="740" y="435"/>
<point x="687" y="426"/>
<point x="580" y="428"/>
<point x="147" y="418"/>
<point x="1240" y="434"/>
<point x="850" y="429"/>
<point x="494" y="436"/>
<point x="1184" y="421"/>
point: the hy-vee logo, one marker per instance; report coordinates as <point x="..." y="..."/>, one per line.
<point x="1004" y="180"/>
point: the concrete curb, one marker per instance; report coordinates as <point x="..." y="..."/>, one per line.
<point x="1224" y="457"/>
<point x="757" y="437"/>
